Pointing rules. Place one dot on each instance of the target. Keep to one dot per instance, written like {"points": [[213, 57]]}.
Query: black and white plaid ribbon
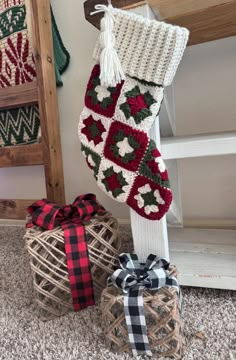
{"points": [[133, 278]]}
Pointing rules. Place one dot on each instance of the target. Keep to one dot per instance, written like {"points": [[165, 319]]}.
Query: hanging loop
{"points": [[103, 8]]}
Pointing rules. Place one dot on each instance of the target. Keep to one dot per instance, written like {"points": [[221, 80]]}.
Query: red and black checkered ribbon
{"points": [[48, 216]]}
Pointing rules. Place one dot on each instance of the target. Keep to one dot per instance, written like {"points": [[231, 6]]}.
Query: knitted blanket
{"points": [[17, 66]]}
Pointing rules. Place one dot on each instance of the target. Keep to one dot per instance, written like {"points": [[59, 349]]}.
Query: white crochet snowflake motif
{"points": [[140, 200], [90, 161], [124, 147], [102, 92], [161, 164]]}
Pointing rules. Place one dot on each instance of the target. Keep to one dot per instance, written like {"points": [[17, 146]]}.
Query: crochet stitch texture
{"points": [[116, 120], [20, 126], [150, 50], [113, 131]]}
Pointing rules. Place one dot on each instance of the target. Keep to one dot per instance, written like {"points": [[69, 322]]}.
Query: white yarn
{"points": [[111, 69], [161, 164], [150, 50], [124, 147], [102, 92]]}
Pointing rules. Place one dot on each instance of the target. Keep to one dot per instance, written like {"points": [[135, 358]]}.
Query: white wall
{"points": [[205, 90]]}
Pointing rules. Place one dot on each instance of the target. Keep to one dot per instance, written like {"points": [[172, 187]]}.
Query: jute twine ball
{"points": [[163, 320], [49, 268]]}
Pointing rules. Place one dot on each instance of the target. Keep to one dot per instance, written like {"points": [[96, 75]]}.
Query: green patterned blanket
{"points": [[17, 66]]}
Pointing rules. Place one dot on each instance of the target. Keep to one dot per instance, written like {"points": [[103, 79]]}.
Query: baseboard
{"points": [[199, 223], [124, 222], [10, 222], [210, 223], [188, 223]]}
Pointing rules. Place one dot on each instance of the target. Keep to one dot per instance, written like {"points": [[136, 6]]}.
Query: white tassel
{"points": [[111, 69]]}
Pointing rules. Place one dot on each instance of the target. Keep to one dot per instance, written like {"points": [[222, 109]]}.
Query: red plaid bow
{"points": [[48, 215]]}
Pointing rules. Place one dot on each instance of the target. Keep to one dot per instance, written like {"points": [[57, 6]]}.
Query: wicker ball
{"points": [[48, 262], [163, 320]]}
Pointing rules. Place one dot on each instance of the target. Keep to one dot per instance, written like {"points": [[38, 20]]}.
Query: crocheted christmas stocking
{"points": [[113, 131], [120, 108]]}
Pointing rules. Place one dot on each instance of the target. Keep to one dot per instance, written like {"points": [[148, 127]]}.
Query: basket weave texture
{"points": [[163, 320], [48, 262]]}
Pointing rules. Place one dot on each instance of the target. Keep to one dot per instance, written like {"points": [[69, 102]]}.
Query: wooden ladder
{"points": [[42, 92], [204, 257]]}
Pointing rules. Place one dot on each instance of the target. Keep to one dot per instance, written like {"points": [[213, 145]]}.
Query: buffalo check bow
{"points": [[133, 278], [48, 215]]}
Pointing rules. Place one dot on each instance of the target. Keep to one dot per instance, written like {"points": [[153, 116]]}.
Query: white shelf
{"points": [[198, 145], [205, 258]]}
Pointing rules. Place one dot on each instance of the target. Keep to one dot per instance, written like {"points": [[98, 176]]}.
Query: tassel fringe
{"points": [[111, 69]]}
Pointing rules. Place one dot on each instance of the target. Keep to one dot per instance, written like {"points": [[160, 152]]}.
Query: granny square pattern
{"points": [[139, 103], [100, 99], [93, 129], [115, 181], [125, 146], [113, 130], [149, 199]]}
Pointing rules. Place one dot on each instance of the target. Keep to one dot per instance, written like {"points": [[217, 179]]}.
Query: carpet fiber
{"points": [[209, 318]]}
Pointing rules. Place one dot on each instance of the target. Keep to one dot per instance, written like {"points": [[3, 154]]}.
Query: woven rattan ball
{"points": [[163, 320], [48, 262]]}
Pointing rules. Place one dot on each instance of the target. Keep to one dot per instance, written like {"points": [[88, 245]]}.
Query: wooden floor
{"points": [[205, 258]]}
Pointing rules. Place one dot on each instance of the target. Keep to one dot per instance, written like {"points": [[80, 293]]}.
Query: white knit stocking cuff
{"points": [[148, 49]]}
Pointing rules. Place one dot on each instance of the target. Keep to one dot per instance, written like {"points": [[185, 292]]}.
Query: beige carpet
{"points": [[78, 336]]}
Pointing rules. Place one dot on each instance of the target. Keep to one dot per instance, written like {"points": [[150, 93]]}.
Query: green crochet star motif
{"points": [[149, 199], [125, 147], [93, 160], [114, 182], [107, 100], [137, 105], [94, 130]]}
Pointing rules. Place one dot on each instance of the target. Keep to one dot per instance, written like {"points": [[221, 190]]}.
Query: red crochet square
{"points": [[125, 146], [100, 99], [149, 199]]}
